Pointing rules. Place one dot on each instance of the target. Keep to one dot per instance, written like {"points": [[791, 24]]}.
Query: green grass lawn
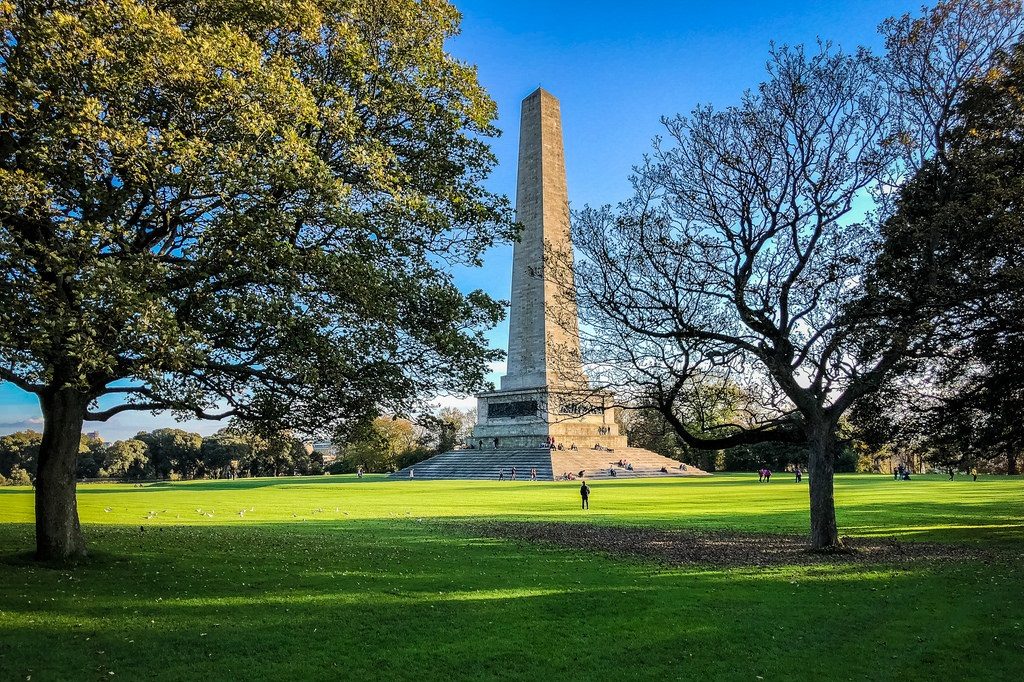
{"points": [[334, 578]]}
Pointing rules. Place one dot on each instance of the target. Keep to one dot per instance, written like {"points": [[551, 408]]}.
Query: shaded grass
{"points": [[299, 589], [399, 599]]}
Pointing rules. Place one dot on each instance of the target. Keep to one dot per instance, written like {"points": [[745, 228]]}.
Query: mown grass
{"points": [[334, 578]]}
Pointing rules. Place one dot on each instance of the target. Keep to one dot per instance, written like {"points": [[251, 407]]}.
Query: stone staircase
{"points": [[598, 463], [484, 465]]}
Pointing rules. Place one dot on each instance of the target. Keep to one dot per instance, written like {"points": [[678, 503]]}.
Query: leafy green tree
{"points": [[446, 429], [91, 454], [956, 249], [269, 456], [379, 445], [128, 459], [223, 450], [19, 449], [173, 450], [17, 476], [236, 209], [305, 460]]}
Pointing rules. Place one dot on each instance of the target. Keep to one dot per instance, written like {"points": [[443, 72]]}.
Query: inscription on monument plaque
{"points": [[578, 408], [520, 408]]}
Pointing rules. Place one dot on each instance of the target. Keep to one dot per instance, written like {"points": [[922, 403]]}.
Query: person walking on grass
{"points": [[767, 475], [799, 474], [585, 495], [760, 475]]}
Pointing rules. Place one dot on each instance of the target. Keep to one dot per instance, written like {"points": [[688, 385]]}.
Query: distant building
{"points": [[326, 449]]}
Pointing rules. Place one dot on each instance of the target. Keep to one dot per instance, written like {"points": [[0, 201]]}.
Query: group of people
{"points": [[764, 474], [551, 444], [901, 473], [625, 464], [512, 474]]}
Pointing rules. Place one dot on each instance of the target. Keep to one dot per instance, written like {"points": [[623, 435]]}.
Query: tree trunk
{"points": [[58, 534], [820, 471], [1011, 463]]}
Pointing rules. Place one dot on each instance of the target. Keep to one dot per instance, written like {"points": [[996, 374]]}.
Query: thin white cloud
{"points": [[464, 403], [29, 424]]}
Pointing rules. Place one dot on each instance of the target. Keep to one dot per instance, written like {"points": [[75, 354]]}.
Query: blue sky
{"points": [[616, 68]]}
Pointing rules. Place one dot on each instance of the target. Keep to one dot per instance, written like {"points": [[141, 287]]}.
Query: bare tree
{"points": [[741, 257]]}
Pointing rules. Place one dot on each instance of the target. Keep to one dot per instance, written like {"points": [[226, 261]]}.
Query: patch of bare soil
{"points": [[721, 548]]}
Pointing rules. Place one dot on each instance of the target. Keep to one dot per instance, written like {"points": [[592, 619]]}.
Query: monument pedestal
{"points": [[528, 417]]}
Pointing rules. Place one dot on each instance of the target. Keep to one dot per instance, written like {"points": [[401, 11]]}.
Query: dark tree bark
{"points": [[58, 533], [822, 449]]}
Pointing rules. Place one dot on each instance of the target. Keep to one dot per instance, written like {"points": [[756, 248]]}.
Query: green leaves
{"points": [[246, 209]]}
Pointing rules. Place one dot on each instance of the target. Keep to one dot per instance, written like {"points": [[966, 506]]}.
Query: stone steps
{"points": [[484, 465]]}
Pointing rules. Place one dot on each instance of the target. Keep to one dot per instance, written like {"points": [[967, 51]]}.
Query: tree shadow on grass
{"points": [[401, 600]]}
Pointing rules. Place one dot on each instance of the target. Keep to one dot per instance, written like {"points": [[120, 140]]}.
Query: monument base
{"points": [[549, 465], [531, 417]]}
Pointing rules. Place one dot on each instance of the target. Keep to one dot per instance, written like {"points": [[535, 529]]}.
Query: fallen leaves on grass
{"points": [[719, 548]]}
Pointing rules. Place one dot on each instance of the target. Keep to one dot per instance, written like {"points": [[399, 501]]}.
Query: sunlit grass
{"points": [[928, 507]]}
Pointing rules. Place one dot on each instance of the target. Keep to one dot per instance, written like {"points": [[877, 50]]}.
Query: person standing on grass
{"points": [[760, 475], [767, 475], [513, 473], [951, 473], [585, 494], [974, 473], [501, 474], [799, 474]]}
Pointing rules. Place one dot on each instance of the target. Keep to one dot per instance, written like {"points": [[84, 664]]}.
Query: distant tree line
{"points": [[381, 444], [170, 454]]}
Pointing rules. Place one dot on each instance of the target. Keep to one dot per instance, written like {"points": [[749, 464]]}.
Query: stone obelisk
{"points": [[544, 393], [543, 339]]}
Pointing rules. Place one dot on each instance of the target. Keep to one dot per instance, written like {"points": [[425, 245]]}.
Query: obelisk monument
{"points": [[543, 339], [544, 393]]}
